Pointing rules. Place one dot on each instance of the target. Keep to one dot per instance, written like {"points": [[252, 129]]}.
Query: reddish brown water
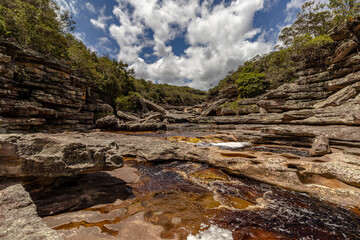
{"points": [[181, 196]]}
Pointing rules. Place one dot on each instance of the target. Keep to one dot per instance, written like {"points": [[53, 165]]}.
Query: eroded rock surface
{"points": [[18, 217], [334, 177], [43, 155], [320, 146], [40, 93]]}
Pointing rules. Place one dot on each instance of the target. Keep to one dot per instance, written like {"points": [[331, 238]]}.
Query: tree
{"points": [[313, 20], [35, 24], [344, 9]]}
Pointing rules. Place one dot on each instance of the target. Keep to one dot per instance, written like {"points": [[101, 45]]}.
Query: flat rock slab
{"points": [[334, 177], [46, 155]]}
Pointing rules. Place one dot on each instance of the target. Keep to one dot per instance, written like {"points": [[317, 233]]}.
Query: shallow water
{"points": [[187, 198]]}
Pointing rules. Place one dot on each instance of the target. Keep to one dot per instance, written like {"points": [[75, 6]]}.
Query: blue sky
{"points": [[181, 42]]}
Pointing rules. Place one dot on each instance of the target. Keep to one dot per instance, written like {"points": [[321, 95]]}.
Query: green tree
{"points": [[344, 9], [313, 20], [35, 24]]}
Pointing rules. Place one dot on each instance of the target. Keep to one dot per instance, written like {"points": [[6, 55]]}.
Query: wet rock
{"points": [[43, 155], [180, 200], [320, 146], [18, 216], [77, 192]]}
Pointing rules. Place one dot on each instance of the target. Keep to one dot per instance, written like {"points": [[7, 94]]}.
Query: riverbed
{"points": [[187, 200]]}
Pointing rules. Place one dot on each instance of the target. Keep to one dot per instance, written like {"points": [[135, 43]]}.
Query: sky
{"points": [[191, 43]]}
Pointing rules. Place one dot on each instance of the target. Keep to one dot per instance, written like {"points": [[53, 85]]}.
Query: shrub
{"points": [[128, 103], [251, 84]]}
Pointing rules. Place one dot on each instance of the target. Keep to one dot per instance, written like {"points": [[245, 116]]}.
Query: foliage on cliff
{"points": [[303, 43], [172, 95], [41, 26]]}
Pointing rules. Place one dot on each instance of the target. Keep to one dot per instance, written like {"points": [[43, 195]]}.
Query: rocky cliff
{"points": [[322, 98], [42, 93]]}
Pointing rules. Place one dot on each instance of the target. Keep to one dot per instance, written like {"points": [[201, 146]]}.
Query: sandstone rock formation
{"points": [[40, 93], [18, 217], [320, 146], [55, 155], [151, 123], [324, 95], [334, 177]]}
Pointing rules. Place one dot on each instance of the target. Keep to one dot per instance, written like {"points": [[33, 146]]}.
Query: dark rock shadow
{"points": [[66, 194]]}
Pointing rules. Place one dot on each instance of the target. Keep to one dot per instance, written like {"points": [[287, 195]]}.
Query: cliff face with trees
{"points": [[51, 80], [303, 45], [308, 88]]}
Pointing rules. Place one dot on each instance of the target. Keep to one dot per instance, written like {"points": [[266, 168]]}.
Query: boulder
{"points": [[179, 117], [18, 217], [320, 146], [151, 116], [108, 122], [52, 156]]}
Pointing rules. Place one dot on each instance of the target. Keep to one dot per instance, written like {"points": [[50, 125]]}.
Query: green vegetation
{"points": [[305, 44], [39, 25], [251, 84], [160, 94], [34, 24], [166, 94]]}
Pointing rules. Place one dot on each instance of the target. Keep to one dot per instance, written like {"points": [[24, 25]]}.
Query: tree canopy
{"points": [[316, 19]]}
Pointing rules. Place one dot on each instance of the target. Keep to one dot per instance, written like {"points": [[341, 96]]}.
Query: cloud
{"points": [[102, 46], [220, 37], [90, 7], [101, 21], [69, 5], [268, 4], [80, 36], [295, 4]]}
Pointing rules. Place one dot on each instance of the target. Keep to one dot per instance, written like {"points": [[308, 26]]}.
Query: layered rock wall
{"points": [[325, 93], [42, 93]]}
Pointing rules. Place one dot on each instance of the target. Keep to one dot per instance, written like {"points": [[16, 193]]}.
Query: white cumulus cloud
{"points": [[220, 37]]}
